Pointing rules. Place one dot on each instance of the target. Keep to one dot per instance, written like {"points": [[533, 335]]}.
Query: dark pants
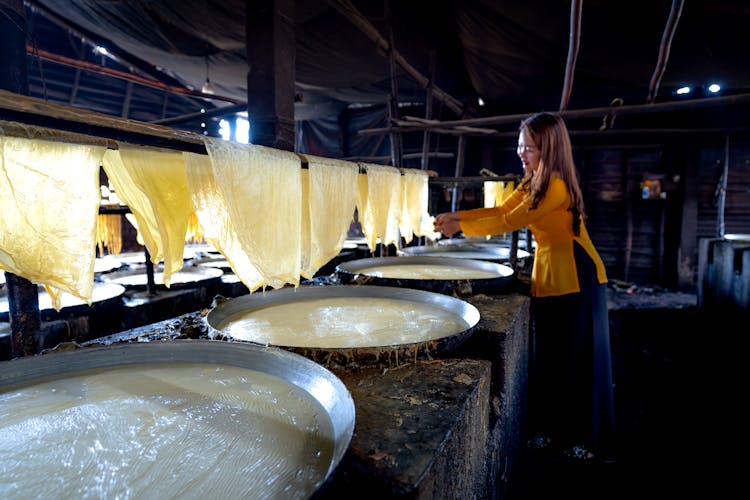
{"points": [[570, 386]]}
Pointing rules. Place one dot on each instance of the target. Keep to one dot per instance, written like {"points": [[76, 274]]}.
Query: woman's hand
{"points": [[447, 223]]}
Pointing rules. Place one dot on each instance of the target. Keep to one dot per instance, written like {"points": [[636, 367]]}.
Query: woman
{"points": [[571, 399]]}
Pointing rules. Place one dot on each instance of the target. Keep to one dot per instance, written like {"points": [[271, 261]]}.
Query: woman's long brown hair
{"points": [[550, 134]]}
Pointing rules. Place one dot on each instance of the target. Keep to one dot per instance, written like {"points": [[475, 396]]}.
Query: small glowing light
{"points": [[224, 130], [480, 101], [203, 110], [208, 88], [101, 50], [242, 133], [683, 90], [203, 124], [714, 88]]}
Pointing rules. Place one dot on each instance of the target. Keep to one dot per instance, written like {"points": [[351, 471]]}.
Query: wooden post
{"points": [[723, 191], [629, 223], [23, 296], [428, 114], [270, 78], [459, 169], [688, 196], [396, 153]]}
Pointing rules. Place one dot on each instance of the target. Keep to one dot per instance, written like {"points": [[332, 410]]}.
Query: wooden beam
{"points": [[348, 10], [122, 75], [227, 110], [428, 113], [662, 107], [33, 111]]}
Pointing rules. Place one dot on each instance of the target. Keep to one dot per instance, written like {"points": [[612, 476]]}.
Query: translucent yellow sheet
{"points": [[262, 188], [329, 199], [153, 184], [426, 222], [365, 221], [109, 233], [49, 202], [415, 203], [384, 204], [213, 214], [492, 191], [507, 190]]}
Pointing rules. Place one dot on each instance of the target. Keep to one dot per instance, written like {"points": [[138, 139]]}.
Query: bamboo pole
{"points": [[575, 43], [664, 48]]}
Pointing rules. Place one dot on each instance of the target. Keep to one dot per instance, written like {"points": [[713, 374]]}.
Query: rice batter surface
{"points": [[172, 430], [344, 322]]}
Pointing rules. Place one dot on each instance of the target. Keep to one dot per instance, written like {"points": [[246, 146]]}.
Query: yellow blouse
{"points": [[554, 270]]}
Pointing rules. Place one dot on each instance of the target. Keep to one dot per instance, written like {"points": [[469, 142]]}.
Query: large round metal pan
{"points": [[106, 264], [187, 277], [481, 242], [216, 262], [447, 275], [194, 250], [337, 350], [103, 296], [743, 238], [495, 254], [138, 258], [299, 379]]}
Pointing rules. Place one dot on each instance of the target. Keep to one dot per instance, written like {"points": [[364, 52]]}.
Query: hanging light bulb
{"points": [[207, 87]]}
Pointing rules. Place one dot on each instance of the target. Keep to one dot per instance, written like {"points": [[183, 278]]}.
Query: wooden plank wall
{"points": [[737, 205], [639, 239]]}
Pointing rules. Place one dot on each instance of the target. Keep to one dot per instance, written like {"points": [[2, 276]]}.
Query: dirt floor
{"points": [[672, 375]]}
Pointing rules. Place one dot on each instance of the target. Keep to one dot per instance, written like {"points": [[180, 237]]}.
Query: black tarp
{"points": [[512, 53]]}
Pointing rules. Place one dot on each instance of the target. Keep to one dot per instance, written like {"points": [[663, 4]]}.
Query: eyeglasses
{"points": [[526, 149]]}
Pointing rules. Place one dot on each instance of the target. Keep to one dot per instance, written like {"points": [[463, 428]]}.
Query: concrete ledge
{"points": [[443, 428], [420, 433]]}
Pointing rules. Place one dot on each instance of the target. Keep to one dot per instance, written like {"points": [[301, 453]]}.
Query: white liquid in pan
{"points": [[163, 431], [345, 322], [429, 272], [468, 254]]}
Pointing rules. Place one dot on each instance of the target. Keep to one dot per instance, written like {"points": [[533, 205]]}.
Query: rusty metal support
{"points": [[575, 42], [150, 282], [25, 321], [664, 48]]}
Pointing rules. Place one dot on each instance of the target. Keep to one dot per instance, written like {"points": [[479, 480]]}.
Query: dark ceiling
{"points": [[511, 53]]}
